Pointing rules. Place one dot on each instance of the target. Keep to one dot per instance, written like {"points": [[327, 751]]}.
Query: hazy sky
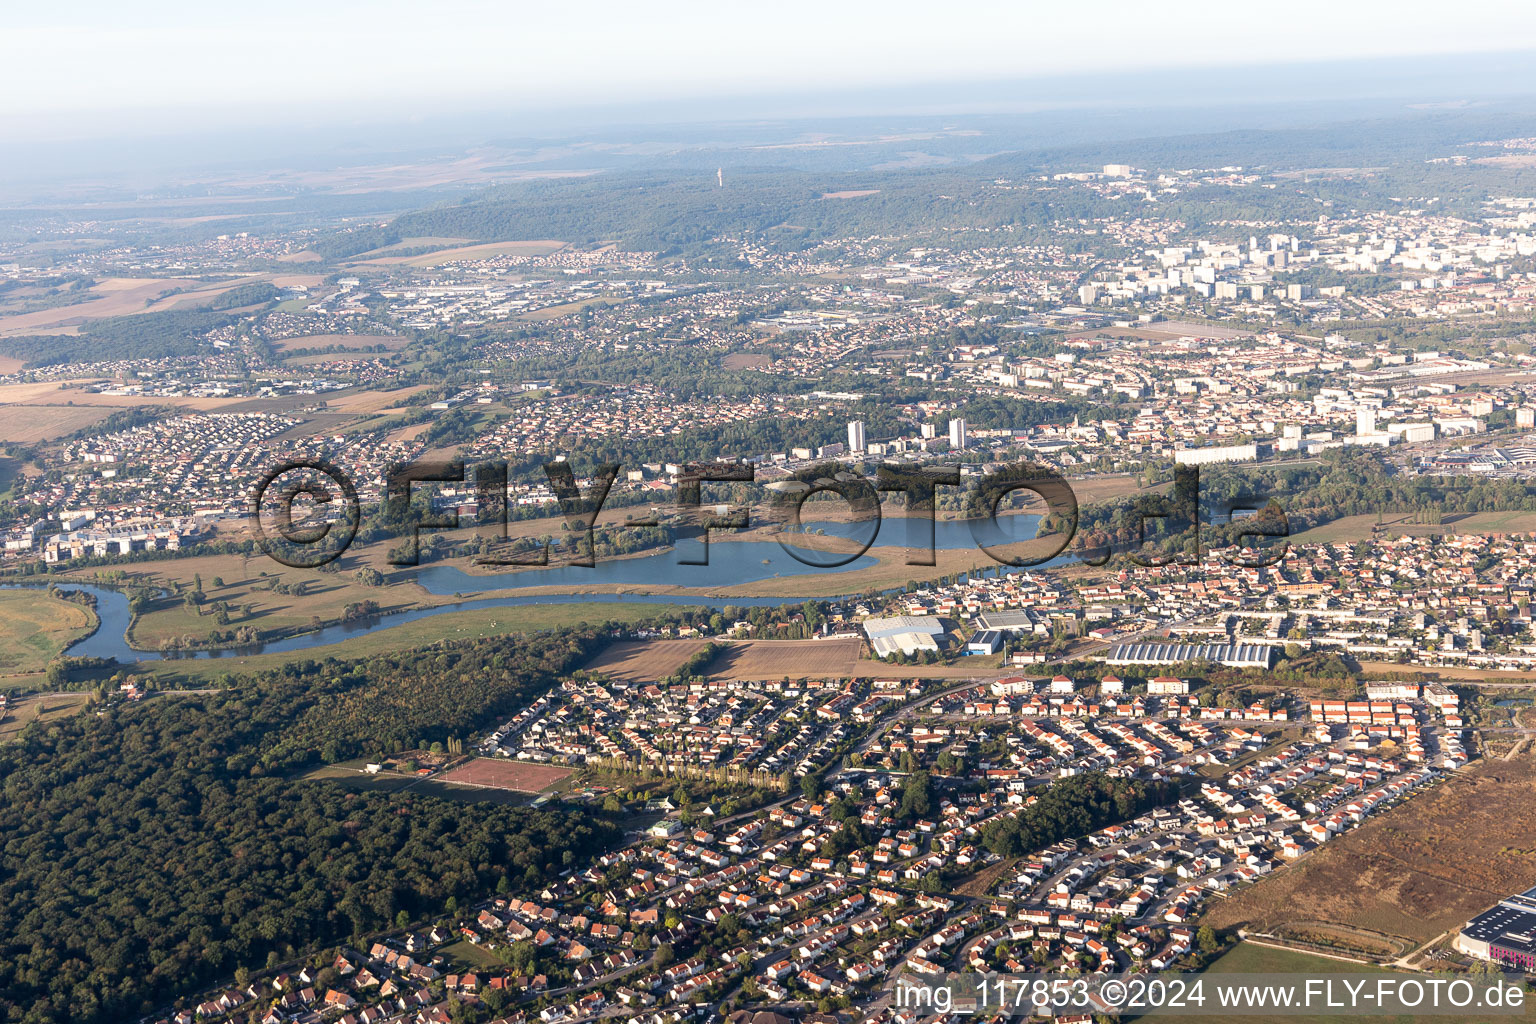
{"points": [[100, 57]]}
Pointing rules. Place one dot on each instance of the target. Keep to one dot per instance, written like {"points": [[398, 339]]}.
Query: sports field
{"points": [[495, 773]]}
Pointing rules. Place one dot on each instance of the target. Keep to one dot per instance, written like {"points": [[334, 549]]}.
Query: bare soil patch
{"points": [[1415, 871], [529, 247], [25, 424], [370, 401], [644, 661], [795, 659]]}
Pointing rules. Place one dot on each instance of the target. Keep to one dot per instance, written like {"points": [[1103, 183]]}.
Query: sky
{"points": [[90, 61]]}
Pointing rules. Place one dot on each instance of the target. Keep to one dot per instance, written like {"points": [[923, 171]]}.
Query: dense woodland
{"points": [[1073, 807], [156, 848], [681, 210], [160, 335]]}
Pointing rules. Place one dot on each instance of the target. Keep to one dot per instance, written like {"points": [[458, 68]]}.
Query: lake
{"points": [[729, 564]]}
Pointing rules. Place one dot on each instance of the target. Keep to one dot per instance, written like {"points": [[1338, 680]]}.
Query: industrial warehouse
{"points": [[1230, 655], [1505, 934]]}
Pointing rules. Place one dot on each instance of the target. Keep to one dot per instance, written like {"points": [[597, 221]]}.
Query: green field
{"points": [[1350, 529], [245, 593], [10, 469], [35, 627], [43, 707], [466, 954], [466, 625], [1251, 958]]}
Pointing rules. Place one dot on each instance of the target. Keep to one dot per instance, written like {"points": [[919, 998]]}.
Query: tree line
{"points": [[152, 850]]}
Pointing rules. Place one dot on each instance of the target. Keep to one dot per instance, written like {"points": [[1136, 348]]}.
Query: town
{"points": [[736, 572], [919, 854]]}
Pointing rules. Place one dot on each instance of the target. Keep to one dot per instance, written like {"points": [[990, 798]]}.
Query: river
{"points": [[729, 564]]}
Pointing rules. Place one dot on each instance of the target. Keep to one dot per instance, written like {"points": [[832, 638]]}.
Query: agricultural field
{"points": [[644, 660], [45, 395], [563, 309], [1498, 676], [748, 660], [35, 628], [123, 296], [415, 242], [650, 660], [795, 659], [963, 669], [1410, 874], [1349, 529], [370, 401], [113, 296], [28, 424], [535, 247]]}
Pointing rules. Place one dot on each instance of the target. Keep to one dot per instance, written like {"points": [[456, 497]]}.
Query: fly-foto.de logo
{"points": [[307, 513]]}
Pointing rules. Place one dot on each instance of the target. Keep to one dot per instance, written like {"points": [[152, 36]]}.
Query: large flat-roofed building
{"points": [[1015, 621], [1230, 655], [905, 633], [1505, 933], [1211, 456], [1392, 691], [987, 641]]}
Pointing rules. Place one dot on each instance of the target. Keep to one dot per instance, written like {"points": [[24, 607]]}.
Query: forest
{"points": [[173, 332], [672, 214], [681, 210], [154, 849], [1073, 807]]}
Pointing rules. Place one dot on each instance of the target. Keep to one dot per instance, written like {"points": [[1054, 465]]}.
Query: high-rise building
{"points": [[1365, 421], [929, 430], [957, 433], [856, 436]]}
